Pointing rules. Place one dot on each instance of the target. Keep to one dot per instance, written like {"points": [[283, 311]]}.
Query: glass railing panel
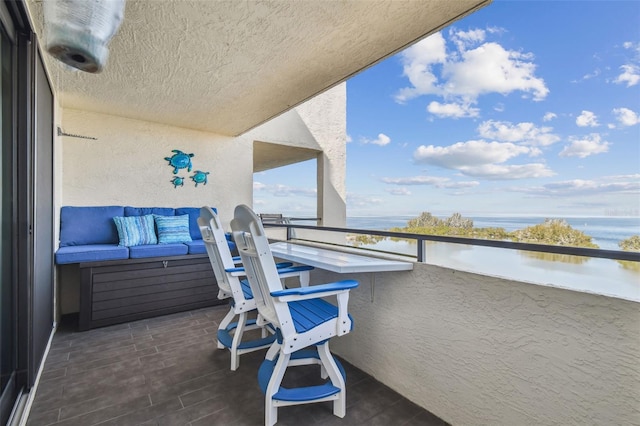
{"points": [[611, 277]]}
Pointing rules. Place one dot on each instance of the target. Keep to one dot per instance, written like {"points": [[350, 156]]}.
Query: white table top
{"points": [[335, 261]]}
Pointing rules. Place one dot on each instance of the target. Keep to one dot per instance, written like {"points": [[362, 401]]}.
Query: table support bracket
{"points": [[372, 279]]}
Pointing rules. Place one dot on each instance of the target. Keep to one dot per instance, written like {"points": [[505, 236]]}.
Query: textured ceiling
{"points": [[228, 66]]}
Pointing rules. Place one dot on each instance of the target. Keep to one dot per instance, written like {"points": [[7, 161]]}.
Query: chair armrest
{"points": [[294, 269], [237, 260], [239, 271], [314, 291]]}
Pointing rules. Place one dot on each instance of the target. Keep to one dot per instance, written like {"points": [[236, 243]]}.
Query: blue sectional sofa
{"points": [[89, 234], [111, 280]]}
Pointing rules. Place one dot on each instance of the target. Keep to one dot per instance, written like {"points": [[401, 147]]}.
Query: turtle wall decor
{"points": [[199, 177], [177, 181], [179, 160]]}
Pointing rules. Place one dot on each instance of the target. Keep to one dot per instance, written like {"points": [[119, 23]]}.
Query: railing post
{"points": [[421, 242], [289, 233]]}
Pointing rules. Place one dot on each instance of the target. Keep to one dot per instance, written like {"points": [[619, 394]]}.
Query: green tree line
{"points": [[551, 231]]}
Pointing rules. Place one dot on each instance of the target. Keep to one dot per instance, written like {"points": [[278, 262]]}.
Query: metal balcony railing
{"points": [[421, 239]]}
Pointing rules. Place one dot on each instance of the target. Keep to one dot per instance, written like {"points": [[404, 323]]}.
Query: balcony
{"points": [[470, 348]]}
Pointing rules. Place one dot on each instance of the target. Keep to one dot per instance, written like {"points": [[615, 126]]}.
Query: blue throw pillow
{"points": [[173, 229], [135, 230]]}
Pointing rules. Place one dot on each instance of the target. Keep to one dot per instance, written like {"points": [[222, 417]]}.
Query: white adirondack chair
{"points": [[230, 333], [302, 319]]}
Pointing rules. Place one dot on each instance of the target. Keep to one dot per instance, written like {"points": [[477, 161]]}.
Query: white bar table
{"points": [[337, 261]]}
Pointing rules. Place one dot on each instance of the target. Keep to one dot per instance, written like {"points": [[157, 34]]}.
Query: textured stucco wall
{"points": [[326, 118], [320, 124], [126, 165], [478, 350]]}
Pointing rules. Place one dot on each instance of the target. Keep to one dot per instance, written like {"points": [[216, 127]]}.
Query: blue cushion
{"points": [[194, 213], [173, 229], [156, 250], [88, 225], [142, 211], [196, 247], [136, 230], [90, 253]]}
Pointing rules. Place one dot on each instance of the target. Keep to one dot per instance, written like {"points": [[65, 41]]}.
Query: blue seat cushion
{"points": [[157, 250], [196, 247], [88, 225], [194, 213], [91, 253], [143, 211], [307, 314]]}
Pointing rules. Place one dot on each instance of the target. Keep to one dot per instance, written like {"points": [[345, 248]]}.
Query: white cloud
{"points": [[504, 172], [549, 116], [492, 69], [349, 139], [418, 60], [525, 133], [585, 146], [623, 177], [398, 191], [462, 184], [580, 187], [467, 73], [626, 117], [595, 73], [467, 39], [381, 140], [438, 182], [587, 119], [630, 75], [416, 180], [357, 200], [452, 110], [482, 159], [471, 153], [284, 190]]}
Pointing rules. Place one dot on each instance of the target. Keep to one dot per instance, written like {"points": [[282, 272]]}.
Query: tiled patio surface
{"points": [[167, 371]]}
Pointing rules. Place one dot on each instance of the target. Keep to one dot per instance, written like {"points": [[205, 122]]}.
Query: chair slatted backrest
{"points": [[253, 246], [217, 248]]}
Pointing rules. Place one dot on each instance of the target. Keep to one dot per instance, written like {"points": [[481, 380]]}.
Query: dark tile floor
{"points": [[167, 371]]}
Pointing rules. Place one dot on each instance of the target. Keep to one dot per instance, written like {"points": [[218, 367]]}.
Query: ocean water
{"points": [[599, 276], [606, 232]]}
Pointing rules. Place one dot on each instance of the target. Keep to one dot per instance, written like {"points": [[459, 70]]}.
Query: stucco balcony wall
{"points": [[479, 350]]}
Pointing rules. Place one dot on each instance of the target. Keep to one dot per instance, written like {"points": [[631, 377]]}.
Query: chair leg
{"points": [[224, 323], [304, 278], [340, 404], [270, 410], [237, 339], [273, 351]]}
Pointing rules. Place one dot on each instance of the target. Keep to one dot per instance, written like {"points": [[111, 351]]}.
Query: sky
{"points": [[522, 108]]}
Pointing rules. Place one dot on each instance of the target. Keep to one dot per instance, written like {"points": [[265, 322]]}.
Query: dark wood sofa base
{"points": [[113, 292]]}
